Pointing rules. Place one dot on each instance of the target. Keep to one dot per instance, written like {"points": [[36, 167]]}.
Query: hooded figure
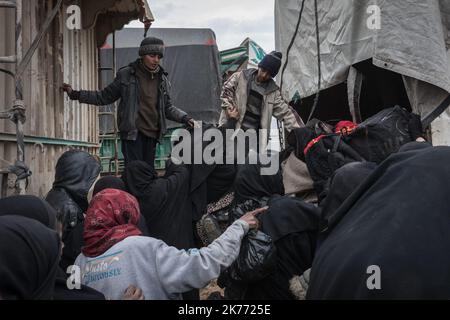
{"points": [[293, 225], [108, 182], [28, 271], [391, 239], [165, 202], [251, 191], [39, 210], [250, 184], [76, 172], [343, 182], [29, 207]]}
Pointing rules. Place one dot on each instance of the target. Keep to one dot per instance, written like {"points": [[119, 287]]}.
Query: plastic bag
{"points": [[256, 260]]}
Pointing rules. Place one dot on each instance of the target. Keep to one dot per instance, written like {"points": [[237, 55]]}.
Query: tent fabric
{"points": [[346, 39], [249, 52], [191, 59], [413, 40], [131, 37]]}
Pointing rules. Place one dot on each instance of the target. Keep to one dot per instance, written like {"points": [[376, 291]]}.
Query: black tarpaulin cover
{"points": [[192, 60]]}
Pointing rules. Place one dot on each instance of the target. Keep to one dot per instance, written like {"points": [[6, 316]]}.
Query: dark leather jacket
{"points": [[76, 171], [126, 87]]}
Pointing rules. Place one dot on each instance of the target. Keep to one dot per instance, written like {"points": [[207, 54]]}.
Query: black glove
{"points": [[415, 127]]}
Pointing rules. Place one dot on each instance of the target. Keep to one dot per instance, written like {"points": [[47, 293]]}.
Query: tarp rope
{"points": [[316, 99], [291, 44]]}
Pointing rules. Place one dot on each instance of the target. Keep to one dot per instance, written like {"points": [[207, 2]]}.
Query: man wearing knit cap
{"points": [[145, 104], [251, 97]]}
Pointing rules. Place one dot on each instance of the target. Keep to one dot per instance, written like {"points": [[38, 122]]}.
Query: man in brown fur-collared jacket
{"points": [[251, 97]]}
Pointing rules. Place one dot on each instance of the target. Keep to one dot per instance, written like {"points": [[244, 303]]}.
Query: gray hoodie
{"points": [[161, 271]]}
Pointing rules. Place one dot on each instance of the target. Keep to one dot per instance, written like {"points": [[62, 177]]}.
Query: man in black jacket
{"points": [[145, 103]]}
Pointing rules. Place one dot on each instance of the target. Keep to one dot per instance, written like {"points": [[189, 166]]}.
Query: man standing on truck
{"points": [[251, 97], [145, 104]]}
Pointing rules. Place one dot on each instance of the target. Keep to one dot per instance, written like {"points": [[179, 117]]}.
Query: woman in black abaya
{"points": [[397, 220], [29, 271], [39, 210]]}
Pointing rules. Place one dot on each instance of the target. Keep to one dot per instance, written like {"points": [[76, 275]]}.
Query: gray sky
{"points": [[231, 20]]}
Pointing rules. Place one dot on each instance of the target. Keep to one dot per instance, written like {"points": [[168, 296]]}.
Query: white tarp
{"points": [[413, 40]]}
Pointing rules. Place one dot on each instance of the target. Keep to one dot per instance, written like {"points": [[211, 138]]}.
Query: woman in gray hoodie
{"points": [[116, 255]]}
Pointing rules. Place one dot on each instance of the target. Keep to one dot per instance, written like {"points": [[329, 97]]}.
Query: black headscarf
{"points": [[29, 255], [30, 207], [288, 215], [250, 184], [37, 209], [208, 182], [109, 182], [398, 220], [344, 181], [138, 177], [293, 225], [165, 202], [298, 138]]}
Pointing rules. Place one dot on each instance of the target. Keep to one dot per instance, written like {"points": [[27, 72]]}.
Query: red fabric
{"points": [[111, 217], [345, 127], [311, 143]]}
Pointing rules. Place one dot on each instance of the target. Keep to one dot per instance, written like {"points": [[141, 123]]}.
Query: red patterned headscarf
{"points": [[111, 217]]}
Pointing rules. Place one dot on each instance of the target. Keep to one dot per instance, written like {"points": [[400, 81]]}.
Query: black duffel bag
{"points": [[381, 135]]}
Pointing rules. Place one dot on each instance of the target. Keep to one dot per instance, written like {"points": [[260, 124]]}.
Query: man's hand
{"points": [[233, 113], [191, 123], [73, 94], [133, 293], [250, 217], [67, 88], [188, 121]]}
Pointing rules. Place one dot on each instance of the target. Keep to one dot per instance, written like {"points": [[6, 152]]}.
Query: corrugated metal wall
{"points": [[64, 55]]}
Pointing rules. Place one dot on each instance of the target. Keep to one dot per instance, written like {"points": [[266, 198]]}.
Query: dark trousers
{"points": [[143, 149]]}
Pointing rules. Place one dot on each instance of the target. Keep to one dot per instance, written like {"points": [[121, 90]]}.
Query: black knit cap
{"points": [[151, 45], [272, 62]]}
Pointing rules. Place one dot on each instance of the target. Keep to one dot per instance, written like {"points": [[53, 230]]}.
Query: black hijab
{"points": [[39, 210], [299, 138], [343, 182], [293, 225], [287, 215], [250, 184], [138, 177], [107, 182], [29, 270], [398, 220], [165, 202], [30, 207]]}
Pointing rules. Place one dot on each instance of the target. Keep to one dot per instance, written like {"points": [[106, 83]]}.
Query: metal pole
{"points": [[116, 144], [18, 47]]}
